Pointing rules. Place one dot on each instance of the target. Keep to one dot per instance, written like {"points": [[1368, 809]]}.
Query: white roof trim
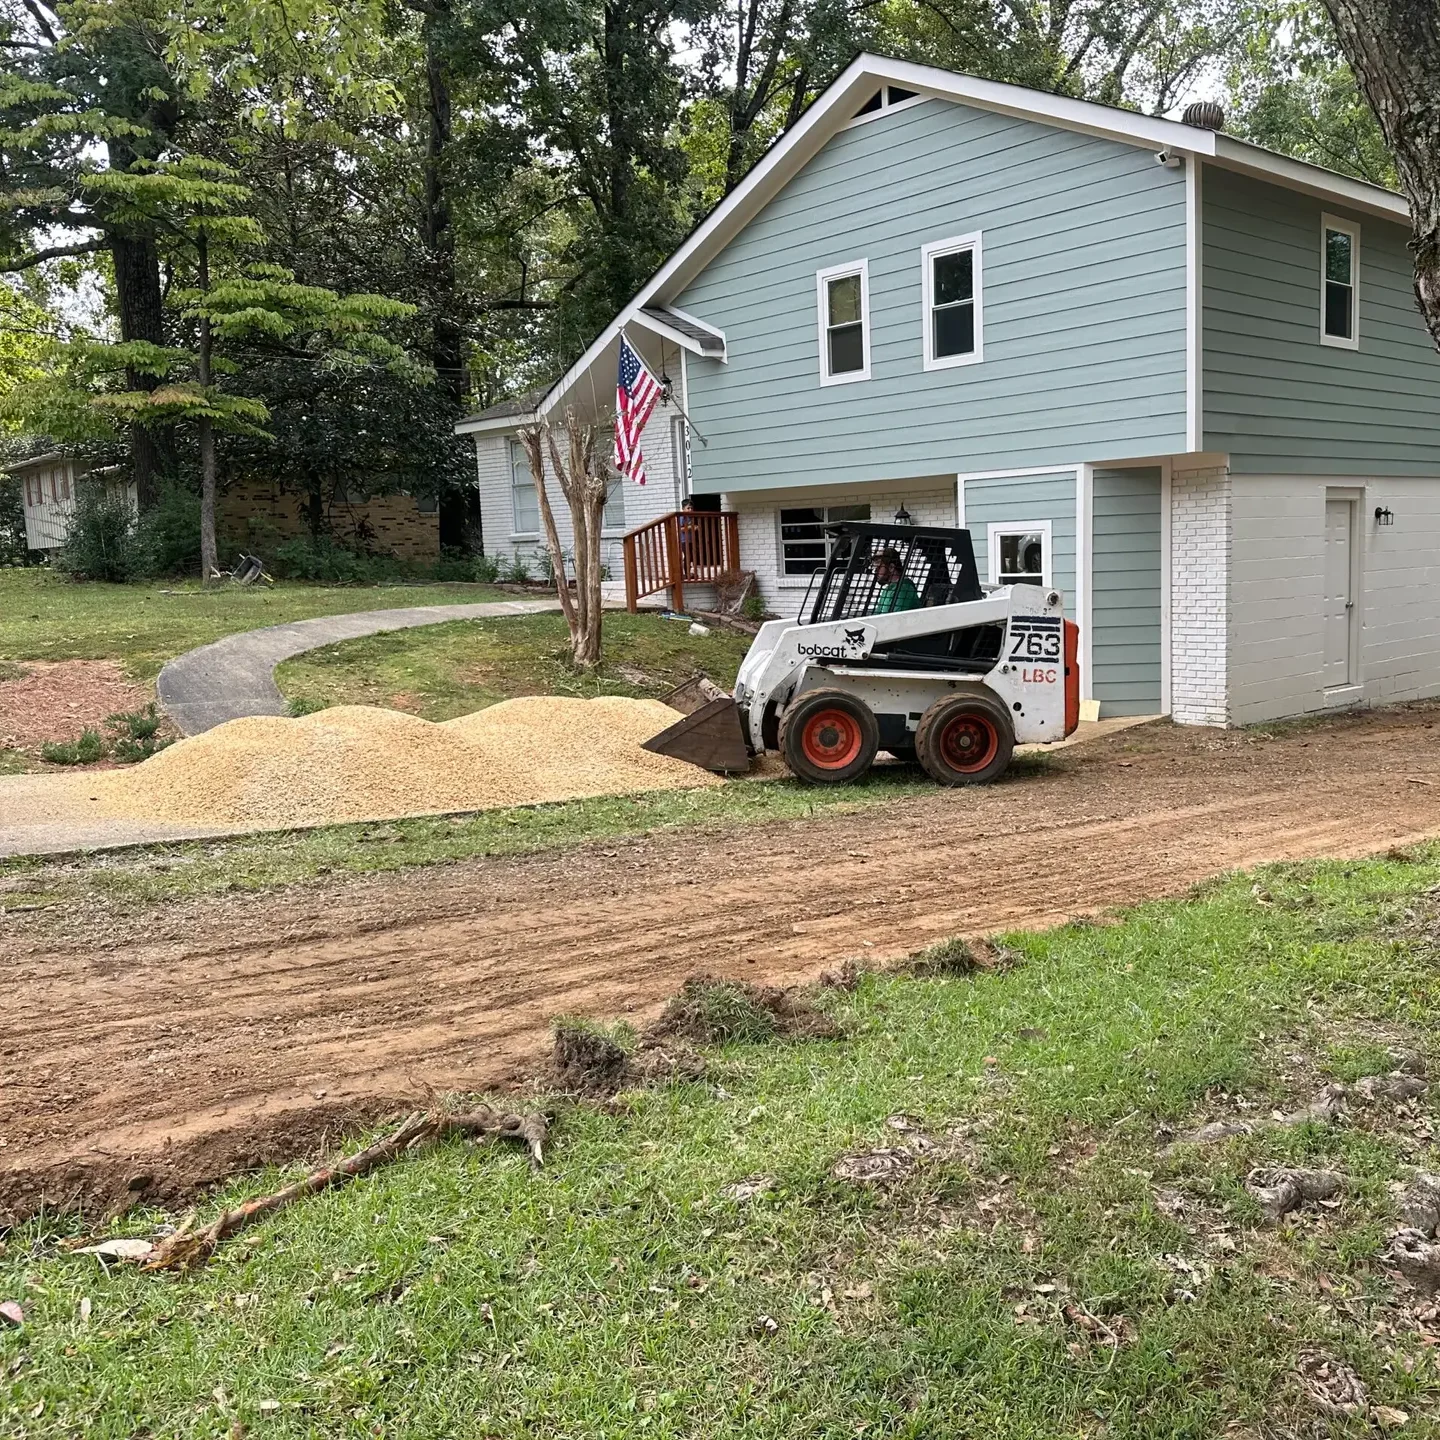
{"points": [[1324, 184], [496, 425], [835, 108]]}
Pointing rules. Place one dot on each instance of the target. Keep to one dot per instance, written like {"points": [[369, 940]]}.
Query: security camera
{"points": [[1169, 161]]}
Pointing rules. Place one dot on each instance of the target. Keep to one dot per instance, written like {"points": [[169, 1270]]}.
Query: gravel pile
{"points": [[357, 762]]}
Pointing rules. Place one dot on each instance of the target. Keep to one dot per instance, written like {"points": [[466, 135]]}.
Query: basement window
{"points": [[843, 296], [1020, 553], [1339, 283], [804, 546]]}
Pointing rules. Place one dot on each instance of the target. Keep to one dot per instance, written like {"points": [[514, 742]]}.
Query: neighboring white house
{"points": [[48, 486], [1177, 376]]}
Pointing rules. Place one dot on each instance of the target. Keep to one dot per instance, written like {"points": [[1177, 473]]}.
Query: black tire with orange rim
{"points": [[965, 740], [828, 737]]}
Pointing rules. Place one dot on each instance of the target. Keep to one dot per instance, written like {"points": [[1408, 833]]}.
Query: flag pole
{"points": [[669, 393]]}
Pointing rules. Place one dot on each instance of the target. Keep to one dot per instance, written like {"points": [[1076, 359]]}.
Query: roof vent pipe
{"points": [[1204, 115]]}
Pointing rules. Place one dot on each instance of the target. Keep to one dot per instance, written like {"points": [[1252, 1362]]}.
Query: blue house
{"points": [[1178, 376]]}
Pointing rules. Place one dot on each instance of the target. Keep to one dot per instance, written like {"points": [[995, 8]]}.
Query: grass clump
{"points": [[713, 1011], [590, 1058], [85, 750]]}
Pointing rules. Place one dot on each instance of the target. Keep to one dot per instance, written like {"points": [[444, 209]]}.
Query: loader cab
{"points": [[939, 563]]}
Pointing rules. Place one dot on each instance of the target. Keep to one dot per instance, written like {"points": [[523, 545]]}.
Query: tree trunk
{"points": [[584, 483], [446, 343], [534, 438], [207, 430], [139, 300], [1394, 48]]}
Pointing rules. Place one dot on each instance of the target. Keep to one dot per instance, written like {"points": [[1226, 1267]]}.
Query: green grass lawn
{"points": [[1049, 1269], [154, 874], [46, 617], [448, 670]]}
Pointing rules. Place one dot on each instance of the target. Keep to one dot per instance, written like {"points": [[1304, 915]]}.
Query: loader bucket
{"points": [[711, 737]]}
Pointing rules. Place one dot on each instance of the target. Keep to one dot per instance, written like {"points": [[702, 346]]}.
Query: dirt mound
{"points": [[358, 762]]}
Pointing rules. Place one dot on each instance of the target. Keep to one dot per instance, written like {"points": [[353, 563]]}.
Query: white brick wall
{"points": [[930, 502], [1277, 595], [1200, 540], [658, 496]]}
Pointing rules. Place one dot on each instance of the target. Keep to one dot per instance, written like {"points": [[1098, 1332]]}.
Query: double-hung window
{"points": [[843, 294], [524, 506], [613, 517], [1339, 283], [1020, 553], [950, 282], [804, 546]]}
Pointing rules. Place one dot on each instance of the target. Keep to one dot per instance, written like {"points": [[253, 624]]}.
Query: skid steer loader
{"points": [[954, 681]]}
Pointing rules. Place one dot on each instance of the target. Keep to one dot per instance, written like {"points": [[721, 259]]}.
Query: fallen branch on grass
{"points": [[188, 1249]]}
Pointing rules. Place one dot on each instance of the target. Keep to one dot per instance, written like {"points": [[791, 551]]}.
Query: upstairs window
{"points": [[524, 506], [951, 286], [804, 545], [843, 294], [886, 98], [1339, 283]]}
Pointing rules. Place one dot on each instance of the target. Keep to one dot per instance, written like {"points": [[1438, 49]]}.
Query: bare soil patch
{"points": [[54, 700], [192, 1039]]}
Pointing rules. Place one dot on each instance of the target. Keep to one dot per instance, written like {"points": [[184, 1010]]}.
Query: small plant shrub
{"points": [[454, 566], [102, 542], [752, 608], [514, 569], [135, 734], [89, 748], [167, 535], [304, 705]]}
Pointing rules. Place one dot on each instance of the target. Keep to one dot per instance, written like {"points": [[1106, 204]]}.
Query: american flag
{"points": [[636, 392]]}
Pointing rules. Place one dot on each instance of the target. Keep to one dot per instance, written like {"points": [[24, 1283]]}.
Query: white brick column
{"points": [[1200, 521]]}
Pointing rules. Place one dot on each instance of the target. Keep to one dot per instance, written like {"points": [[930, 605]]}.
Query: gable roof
{"points": [[836, 107]]}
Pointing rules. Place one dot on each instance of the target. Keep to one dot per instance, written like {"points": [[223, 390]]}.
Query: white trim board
{"points": [[835, 108], [1084, 572], [1194, 307], [1166, 573]]}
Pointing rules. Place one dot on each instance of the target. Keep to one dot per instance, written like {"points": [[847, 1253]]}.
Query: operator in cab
{"points": [[897, 590]]}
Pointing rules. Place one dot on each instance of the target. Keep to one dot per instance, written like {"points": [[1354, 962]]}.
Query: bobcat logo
{"points": [[855, 637]]}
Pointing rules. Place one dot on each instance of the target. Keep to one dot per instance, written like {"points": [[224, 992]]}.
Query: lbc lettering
{"points": [[1036, 676]]}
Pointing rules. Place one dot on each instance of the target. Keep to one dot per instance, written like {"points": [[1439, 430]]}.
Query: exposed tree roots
{"points": [[188, 1249]]}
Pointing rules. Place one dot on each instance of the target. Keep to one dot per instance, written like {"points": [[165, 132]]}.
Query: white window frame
{"points": [[928, 254], [801, 582], [1350, 228], [822, 314], [514, 448], [887, 106], [997, 528]]}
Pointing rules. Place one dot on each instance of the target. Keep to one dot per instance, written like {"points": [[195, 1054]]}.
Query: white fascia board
{"points": [[679, 337], [1249, 159], [498, 425]]}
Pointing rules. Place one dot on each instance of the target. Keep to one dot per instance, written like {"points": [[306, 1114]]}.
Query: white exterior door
{"points": [[1339, 668]]}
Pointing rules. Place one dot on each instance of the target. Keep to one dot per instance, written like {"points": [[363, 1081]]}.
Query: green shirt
{"points": [[897, 595]]}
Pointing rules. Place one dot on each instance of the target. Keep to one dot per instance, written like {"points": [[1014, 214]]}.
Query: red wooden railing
{"points": [[685, 547]]}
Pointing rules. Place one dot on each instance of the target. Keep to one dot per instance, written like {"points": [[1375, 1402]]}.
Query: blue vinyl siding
{"points": [[1083, 305], [1276, 399], [1019, 501], [1125, 591]]}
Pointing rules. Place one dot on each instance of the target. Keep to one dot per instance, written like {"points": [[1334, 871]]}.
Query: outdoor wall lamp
{"points": [[1384, 516], [903, 516]]}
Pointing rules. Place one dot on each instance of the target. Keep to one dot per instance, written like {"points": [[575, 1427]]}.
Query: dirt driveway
{"points": [[144, 1057]]}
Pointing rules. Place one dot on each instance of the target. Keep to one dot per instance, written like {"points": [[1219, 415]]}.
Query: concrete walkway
{"points": [[235, 676]]}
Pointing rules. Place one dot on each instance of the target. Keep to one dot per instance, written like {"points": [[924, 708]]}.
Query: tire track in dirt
{"points": [[210, 1034]]}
